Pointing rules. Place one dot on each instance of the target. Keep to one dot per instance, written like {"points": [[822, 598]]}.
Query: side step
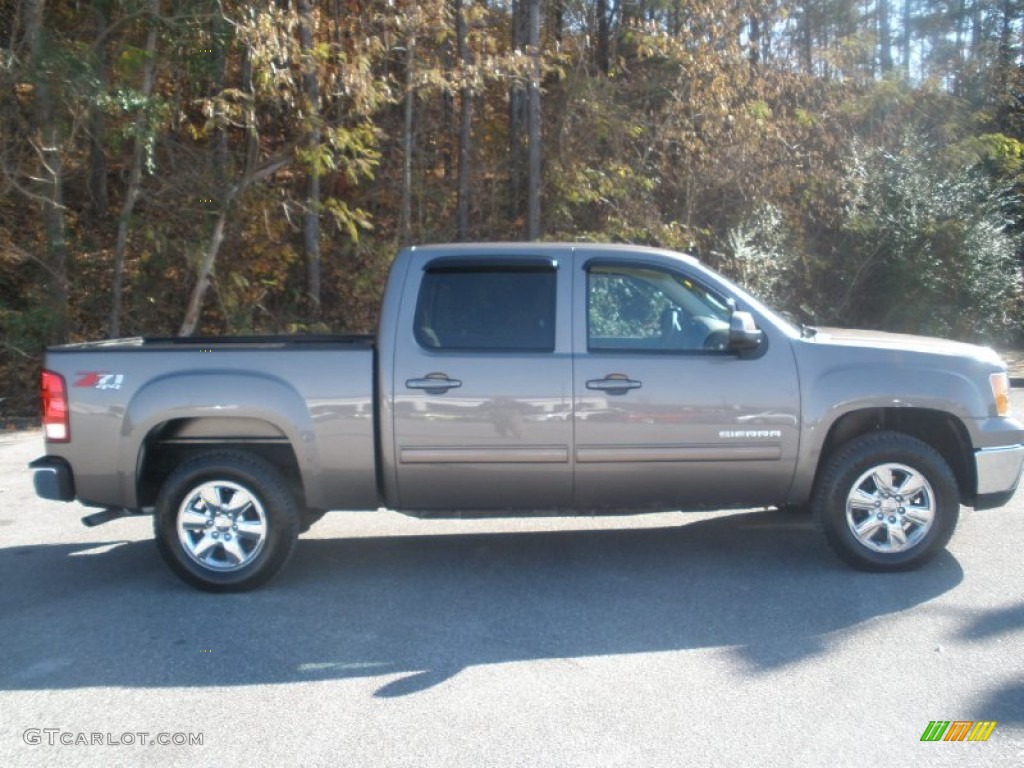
{"points": [[106, 515]]}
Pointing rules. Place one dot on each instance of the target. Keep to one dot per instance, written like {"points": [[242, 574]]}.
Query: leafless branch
{"points": [[23, 353]]}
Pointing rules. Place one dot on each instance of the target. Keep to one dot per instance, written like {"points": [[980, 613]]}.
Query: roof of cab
{"points": [[542, 247]]}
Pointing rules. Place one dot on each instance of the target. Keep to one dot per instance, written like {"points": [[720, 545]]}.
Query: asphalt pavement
{"points": [[711, 639]]}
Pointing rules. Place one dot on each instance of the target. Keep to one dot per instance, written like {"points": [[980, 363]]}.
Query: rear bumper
{"points": [[53, 479], [998, 471]]}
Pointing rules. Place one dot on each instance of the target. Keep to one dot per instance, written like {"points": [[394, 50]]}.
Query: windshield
{"points": [[749, 301]]}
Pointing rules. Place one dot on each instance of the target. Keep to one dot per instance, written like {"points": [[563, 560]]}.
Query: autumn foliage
{"points": [[227, 167]]}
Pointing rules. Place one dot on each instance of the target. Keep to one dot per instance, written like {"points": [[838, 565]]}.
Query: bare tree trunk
{"points": [[826, 66], [959, 26], [195, 300], [51, 180], [905, 37], [807, 41], [9, 18], [1006, 33], [533, 228], [558, 20], [220, 171], [601, 54], [1005, 55], [516, 117], [884, 37], [447, 110], [134, 177], [220, 136], [405, 211], [465, 125], [249, 177], [311, 217], [977, 32], [98, 196], [755, 40]]}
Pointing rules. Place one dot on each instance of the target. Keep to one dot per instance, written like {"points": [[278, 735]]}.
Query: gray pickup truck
{"points": [[523, 378]]}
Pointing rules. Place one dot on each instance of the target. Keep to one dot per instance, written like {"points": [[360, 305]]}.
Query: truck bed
{"points": [[310, 404]]}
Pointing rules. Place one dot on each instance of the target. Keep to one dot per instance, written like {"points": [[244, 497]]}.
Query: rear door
{"points": [[665, 415], [483, 384]]}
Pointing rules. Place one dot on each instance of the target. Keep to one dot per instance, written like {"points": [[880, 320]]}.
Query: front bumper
{"points": [[53, 479], [998, 472]]}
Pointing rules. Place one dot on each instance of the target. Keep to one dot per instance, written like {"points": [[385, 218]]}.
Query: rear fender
{"points": [[222, 396]]}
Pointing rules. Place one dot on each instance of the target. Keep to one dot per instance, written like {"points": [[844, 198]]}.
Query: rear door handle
{"points": [[434, 383], [614, 384]]}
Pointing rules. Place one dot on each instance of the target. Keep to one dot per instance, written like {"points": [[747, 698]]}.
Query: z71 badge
{"points": [[99, 380]]}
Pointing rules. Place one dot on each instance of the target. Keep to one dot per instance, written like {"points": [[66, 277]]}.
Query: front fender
{"points": [[830, 395]]}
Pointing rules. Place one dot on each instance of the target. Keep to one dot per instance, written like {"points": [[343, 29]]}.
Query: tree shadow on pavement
{"points": [[1006, 704], [426, 607]]}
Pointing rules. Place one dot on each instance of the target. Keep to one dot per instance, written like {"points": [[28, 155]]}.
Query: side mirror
{"points": [[744, 335]]}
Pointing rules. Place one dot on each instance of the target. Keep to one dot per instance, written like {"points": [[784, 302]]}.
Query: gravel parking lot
{"points": [[661, 640]]}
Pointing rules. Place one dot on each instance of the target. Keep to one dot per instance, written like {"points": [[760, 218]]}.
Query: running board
{"points": [[105, 516]]}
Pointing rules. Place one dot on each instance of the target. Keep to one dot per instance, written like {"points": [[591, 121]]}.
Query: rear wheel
{"points": [[226, 521], [887, 502]]}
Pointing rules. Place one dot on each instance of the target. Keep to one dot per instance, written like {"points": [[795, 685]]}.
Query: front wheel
{"points": [[887, 502], [226, 521]]}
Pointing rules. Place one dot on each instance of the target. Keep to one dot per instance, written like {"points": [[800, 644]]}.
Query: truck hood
{"points": [[902, 342]]}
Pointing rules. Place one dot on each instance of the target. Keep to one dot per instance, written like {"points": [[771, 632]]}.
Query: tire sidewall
{"points": [[861, 455], [260, 479]]}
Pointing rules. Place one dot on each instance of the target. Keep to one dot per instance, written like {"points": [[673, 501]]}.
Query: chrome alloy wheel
{"points": [[890, 508], [221, 525]]}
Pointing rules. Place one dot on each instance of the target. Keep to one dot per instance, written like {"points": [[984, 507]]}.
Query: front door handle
{"points": [[614, 384], [434, 383]]}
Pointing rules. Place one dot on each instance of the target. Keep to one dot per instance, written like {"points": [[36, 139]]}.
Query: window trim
{"points": [[487, 264]]}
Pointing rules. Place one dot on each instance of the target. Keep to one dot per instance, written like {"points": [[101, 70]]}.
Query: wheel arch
{"points": [[175, 441], [940, 430], [256, 413]]}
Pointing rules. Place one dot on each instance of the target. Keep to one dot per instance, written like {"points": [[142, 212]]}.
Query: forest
{"points": [[170, 167]]}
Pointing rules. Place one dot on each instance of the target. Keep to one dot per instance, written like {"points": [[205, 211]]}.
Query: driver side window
{"points": [[633, 308]]}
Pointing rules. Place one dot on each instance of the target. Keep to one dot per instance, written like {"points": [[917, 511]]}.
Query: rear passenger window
{"points": [[504, 308]]}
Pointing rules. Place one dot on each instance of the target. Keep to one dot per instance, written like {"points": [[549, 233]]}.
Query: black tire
{"points": [[237, 541], [886, 502]]}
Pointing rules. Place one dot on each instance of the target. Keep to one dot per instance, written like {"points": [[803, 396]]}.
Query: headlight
{"points": [[1001, 392]]}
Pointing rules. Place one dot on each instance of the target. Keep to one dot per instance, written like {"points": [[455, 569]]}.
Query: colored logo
{"points": [[958, 730], [99, 380]]}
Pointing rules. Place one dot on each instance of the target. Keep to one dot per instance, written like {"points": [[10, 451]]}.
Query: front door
{"points": [[666, 416]]}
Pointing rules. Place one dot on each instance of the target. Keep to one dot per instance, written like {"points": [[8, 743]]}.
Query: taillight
{"points": [[56, 426]]}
